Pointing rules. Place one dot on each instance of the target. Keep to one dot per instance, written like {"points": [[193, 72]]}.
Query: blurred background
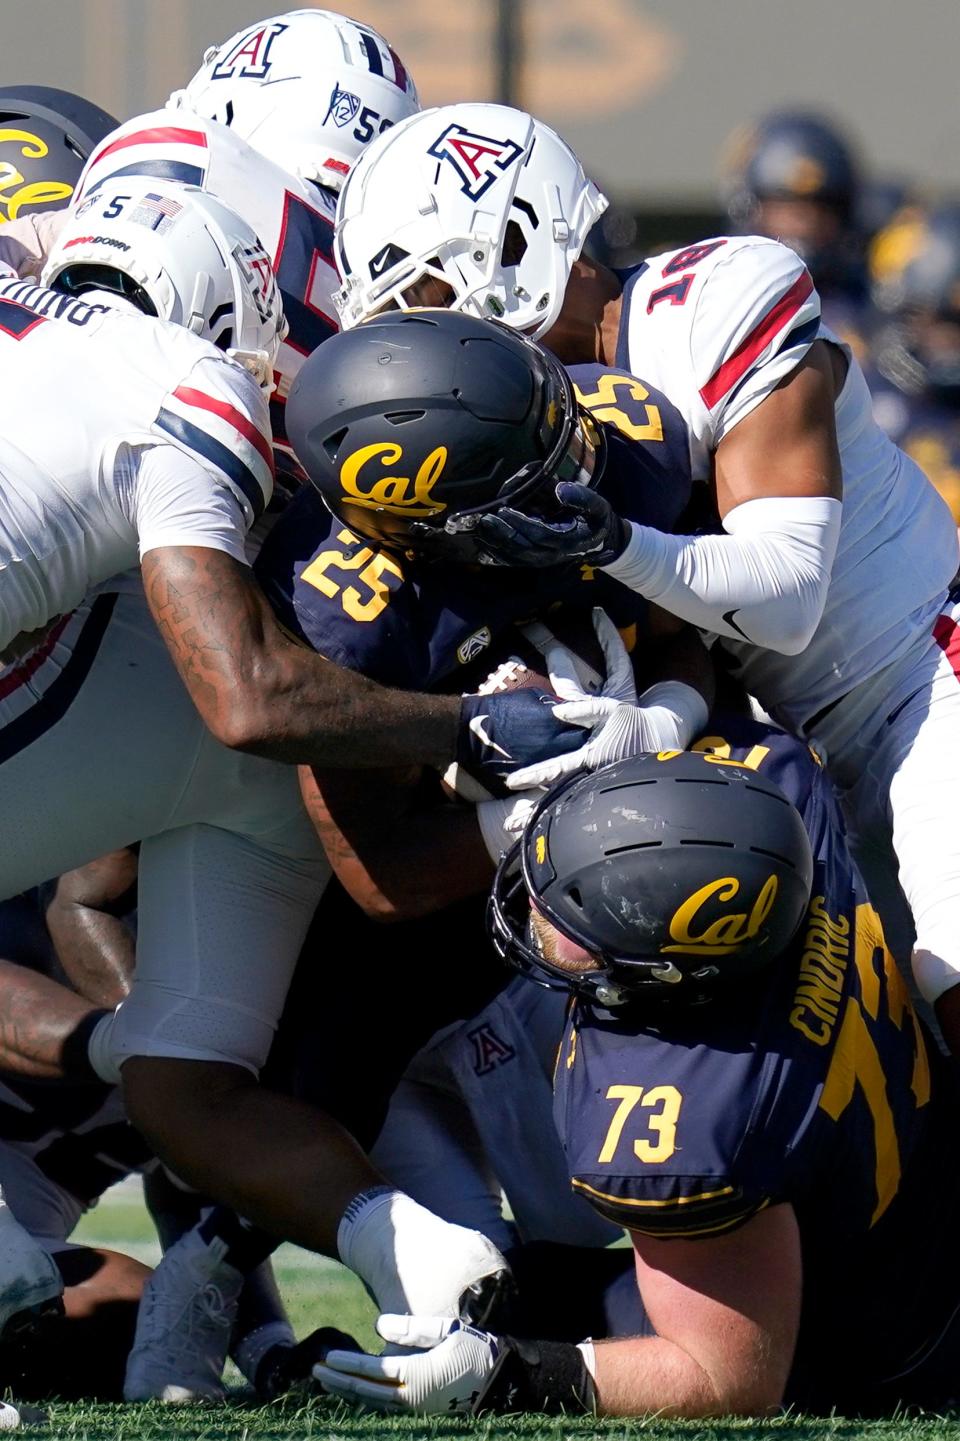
{"points": [[648, 91], [833, 125]]}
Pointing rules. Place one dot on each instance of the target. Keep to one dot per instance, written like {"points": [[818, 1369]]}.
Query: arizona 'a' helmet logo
{"points": [[250, 56], [479, 160]]}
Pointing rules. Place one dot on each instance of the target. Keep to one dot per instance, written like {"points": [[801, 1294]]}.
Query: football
{"points": [[517, 661]]}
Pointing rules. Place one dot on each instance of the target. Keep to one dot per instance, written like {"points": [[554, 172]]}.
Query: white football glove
{"points": [[443, 1373], [502, 821], [666, 717]]}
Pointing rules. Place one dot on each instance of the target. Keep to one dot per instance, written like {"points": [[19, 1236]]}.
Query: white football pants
{"points": [[100, 746]]}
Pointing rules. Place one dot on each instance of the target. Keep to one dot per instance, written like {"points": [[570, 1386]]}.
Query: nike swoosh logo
{"points": [[380, 262], [728, 617], [478, 728]]}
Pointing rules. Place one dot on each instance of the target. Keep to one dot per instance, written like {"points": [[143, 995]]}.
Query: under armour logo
{"points": [[479, 160]]}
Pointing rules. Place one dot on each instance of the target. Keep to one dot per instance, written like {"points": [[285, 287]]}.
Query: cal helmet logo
{"points": [[42, 193], [479, 160], [249, 58], [399, 494], [344, 106], [693, 935]]}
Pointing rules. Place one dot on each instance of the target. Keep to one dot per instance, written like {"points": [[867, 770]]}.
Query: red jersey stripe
{"points": [[163, 135], [735, 367], [187, 396], [946, 633], [25, 669]]}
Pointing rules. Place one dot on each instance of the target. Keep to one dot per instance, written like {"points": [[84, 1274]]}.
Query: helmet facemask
{"points": [[505, 254]]}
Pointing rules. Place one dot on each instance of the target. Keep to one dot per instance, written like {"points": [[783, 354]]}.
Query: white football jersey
{"points": [[293, 218], [716, 326], [118, 434]]}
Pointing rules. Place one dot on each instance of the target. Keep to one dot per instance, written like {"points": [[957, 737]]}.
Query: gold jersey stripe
{"points": [[630, 1201]]}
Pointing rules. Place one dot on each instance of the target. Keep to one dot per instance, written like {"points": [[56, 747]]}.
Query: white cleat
{"points": [[184, 1324], [31, 1286]]}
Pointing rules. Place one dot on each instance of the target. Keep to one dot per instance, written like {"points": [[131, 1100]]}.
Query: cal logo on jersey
{"points": [[479, 160], [250, 57]]}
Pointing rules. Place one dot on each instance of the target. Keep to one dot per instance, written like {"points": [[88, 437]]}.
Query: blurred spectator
{"points": [[914, 364], [793, 176]]}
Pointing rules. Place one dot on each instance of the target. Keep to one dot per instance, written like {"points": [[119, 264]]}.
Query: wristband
{"points": [[546, 1376], [75, 1051]]}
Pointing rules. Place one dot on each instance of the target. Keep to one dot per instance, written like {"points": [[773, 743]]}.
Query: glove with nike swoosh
{"points": [[591, 530], [500, 733]]}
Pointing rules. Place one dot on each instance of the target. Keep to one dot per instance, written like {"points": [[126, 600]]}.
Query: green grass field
{"points": [[320, 1292]]}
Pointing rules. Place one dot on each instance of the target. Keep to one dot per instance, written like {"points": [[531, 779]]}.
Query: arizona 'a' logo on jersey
{"points": [[489, 1051], [479, 160], [250, 56]]}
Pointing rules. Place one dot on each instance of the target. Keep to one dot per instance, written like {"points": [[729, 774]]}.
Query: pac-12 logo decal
{"points": [[479, 160], [249, 58], [343, 107]]}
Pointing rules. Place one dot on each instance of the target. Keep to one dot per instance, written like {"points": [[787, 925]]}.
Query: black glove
{"points": [[591, 530], [500, 734], [283, 1368]]}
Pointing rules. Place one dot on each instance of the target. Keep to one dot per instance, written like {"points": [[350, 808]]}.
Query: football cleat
{"points": [[31, 1287], [184, 1325]]}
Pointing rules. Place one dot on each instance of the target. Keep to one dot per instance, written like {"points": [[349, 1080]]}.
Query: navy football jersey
{"points": [[814, 1085], [417, 625]]}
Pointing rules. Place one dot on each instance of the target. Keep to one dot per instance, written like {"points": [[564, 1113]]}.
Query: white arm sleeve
{"points": [[764, 582], [177, 501]]}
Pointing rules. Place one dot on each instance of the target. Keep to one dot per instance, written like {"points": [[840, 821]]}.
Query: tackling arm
{"points": [[778, 485], [259, 691]]}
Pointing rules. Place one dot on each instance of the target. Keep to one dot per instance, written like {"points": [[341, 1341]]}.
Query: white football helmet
{"points": [[481, 197], [178, 253], [308, 89]]}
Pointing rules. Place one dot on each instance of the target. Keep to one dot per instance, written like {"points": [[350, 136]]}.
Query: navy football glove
{"points": [[591, 531], [501, 733]]}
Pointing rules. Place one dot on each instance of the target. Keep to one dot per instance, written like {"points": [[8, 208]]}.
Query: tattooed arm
{"points": [[259, 691]]}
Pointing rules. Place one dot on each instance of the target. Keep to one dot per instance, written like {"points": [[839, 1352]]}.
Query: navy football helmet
{"points": [[46, 136], [681, 874], [793, 176], [416, 422], [790, 155], [915, 263]]}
